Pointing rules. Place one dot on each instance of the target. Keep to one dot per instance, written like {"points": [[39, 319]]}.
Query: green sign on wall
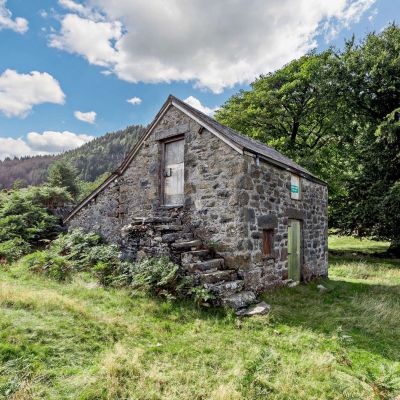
{"points": [[294, 189]]}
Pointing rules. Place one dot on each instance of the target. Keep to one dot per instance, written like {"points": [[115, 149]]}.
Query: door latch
{"points": [[168, 172]]}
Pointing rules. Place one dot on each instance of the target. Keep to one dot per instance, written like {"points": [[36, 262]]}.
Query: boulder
{"points": [[258, 309]]}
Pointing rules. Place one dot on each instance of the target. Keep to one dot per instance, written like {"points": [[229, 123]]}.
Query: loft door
{"points": [[294, 250], [173, 172]]}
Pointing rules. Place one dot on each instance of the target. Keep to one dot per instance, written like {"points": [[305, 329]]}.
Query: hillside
{"points": [[78, 340], [101, 155], [30, 170]]}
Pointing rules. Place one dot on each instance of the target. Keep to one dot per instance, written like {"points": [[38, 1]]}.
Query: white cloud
{"points": [[373, 14], [10, 147], [134, 101], [348, 15], [48, 142], [80, 9], [89, 117], [20, 92], [18, 24], [89, 38], [214, 44], [56, 142], [195, 103]]}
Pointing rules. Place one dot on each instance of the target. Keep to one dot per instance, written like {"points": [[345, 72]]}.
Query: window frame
{"points": [[268, 242]]}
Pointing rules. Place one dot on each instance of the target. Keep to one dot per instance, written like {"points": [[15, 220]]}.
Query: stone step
{"points": [[192, 244], [193, 256], [226, 288], [239, 300], [155, 220], [216, 263], [168, 228], [218, 276], [176, 236]]}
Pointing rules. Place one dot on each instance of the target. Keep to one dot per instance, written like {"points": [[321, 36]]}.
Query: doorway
{"points": [[294, 250], [174, 172]]}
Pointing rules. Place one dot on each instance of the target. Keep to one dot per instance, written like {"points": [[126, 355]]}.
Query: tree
{"points": [[21, 218], [370, 206], [86, 188], [300, 111], [64, 175], [337, 114], [50, 197]]}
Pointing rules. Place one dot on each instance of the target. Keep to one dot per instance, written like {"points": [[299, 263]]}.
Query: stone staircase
{"points": [[158, 236]]}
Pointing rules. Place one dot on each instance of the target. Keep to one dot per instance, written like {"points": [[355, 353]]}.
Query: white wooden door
{"points": [[173, 173]]}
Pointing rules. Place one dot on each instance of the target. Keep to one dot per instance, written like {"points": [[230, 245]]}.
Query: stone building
{"points": [[237, 215]]}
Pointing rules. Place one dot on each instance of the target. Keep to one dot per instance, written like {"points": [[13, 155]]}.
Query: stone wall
{"points": [[210, 193], [264, 191], [101, 215], [229, 200]]}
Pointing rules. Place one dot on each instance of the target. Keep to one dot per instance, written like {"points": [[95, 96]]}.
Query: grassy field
{"points": [[345, 244], [79, 341]]}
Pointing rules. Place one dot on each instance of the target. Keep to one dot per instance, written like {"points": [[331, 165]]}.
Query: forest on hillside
{"points": [[91, 160]]}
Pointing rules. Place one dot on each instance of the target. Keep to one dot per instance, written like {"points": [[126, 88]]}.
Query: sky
{"points": [[73, 70]]}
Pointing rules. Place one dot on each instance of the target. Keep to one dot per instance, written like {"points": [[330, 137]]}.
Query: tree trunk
{"points": [[293, 134]]}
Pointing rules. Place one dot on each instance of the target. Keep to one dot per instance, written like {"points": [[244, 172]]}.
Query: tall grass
{"points": [[76, 340]]}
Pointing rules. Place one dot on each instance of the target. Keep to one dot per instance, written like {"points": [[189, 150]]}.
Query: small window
{"points": [[295, 187], [268, 239]]}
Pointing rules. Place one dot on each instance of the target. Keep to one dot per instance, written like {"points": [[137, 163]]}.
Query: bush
{"points": [[117, 274], [12, 250], [78, 251], [47, 263], [48, 196], [155, 275], [23, 218], [76, 245]]}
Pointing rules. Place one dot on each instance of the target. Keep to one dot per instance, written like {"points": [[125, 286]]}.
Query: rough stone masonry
{"points": [[231, 232]]}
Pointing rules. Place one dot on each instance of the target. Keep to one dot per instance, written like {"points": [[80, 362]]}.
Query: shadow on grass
{"points": [[367, 314]]}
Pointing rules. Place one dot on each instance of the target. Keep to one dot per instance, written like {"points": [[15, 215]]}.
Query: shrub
{"points": [[201, 296], [155, 275], [22, 218], [48, 196], [47, 263], [105, 253], [12, 250], [76, 246], [117, 274], [78, 251]]}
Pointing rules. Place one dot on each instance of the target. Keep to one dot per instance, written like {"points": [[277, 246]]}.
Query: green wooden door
{"points": [[294, 250]]}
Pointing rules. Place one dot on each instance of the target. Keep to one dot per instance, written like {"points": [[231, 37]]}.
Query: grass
{"points": [[79, 341], [348, 244]]}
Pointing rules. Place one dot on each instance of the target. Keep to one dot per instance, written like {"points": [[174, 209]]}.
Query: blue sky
{"points": [[92, 56]]}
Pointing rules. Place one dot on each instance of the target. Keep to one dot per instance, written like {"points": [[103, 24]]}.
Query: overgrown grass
{"points": [[77, 340]]}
